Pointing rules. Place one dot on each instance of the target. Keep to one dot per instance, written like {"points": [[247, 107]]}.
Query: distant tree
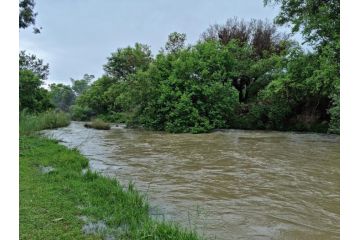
{"points": [[94, 98], [81, 85], [34, 64], [175, 42], [128, 60], [32, 96], [62, 96], [27, 15]]}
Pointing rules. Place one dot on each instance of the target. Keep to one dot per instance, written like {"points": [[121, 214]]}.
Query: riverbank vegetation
{"points": [[98, 124], [240, 74], [31, 123]]}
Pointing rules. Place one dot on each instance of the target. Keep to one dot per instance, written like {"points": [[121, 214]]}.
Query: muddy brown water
{"points": [[229, 184]]}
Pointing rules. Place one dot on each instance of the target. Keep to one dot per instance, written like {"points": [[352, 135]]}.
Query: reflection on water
{"points": [[229, 184]]}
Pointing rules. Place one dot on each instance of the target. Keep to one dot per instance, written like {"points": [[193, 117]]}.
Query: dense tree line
{"points": [[238, 75]]}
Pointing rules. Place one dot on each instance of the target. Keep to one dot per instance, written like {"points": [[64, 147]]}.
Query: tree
{"points": [[62, 96], [27, 15], [255, 46], [34, 64], [81, 85], [318, 21], [32, 96], [175, 42], [187, 93], [262, 36], [126, 61], [94, 97]]}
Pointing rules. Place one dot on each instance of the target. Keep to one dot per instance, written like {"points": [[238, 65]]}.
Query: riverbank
{"points": [[60, 196]]}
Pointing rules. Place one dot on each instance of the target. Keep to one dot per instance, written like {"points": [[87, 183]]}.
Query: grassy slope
{"points": [[51, 203]]}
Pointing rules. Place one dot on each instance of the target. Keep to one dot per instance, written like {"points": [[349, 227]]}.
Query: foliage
{"points": [[98, 124], [175, 42], [27, 15], [240, 74], [94, 98], [292, 97], [191, 96], [81, 85], [30, 123], [34, 64], [31, 95], [128, 60], [62, 96], [318, 21], [80, 113], [261, 35], [334, 111]]}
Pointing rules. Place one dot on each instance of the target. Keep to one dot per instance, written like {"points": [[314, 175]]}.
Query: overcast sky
{"points": [[78, 35]]}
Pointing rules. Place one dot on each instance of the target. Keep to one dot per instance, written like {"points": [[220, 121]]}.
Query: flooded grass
{"points": [[98, 124], [49, 203]]}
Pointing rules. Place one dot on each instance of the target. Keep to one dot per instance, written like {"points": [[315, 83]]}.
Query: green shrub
{"points": [[98, 124], [114, 117], [79, 113], [334, 111]]}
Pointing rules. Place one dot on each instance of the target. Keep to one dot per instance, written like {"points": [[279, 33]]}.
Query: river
{"points": [[229, 184]]}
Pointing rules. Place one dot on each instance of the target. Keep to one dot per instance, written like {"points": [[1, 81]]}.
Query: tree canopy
{"points": [[34, 64], [27, 15]]}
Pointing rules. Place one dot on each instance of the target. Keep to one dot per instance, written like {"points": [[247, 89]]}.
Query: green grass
{"points": [[98, 124], [52, 203], [30, 123]]}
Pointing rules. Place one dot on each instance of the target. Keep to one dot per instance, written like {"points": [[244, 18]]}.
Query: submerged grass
{"points": [[66, 202], [98, 124]]}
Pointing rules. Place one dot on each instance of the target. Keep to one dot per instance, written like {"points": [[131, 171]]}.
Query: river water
{"points": [[229, 184]]}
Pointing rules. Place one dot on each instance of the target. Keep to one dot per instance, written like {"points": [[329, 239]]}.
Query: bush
{"points": [[118, 117], [79, 113], [32, 96], [98, 124]]}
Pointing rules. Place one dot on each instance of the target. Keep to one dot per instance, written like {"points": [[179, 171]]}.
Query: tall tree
{"points": [[175, 42], [62, 96], [255, 45], [32, 96], [128, 60], [318, 21], [34, 64], [261, 35]]}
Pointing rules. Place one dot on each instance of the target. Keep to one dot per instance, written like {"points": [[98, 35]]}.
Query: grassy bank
{"points": [[61, 199], [31, 123]]}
